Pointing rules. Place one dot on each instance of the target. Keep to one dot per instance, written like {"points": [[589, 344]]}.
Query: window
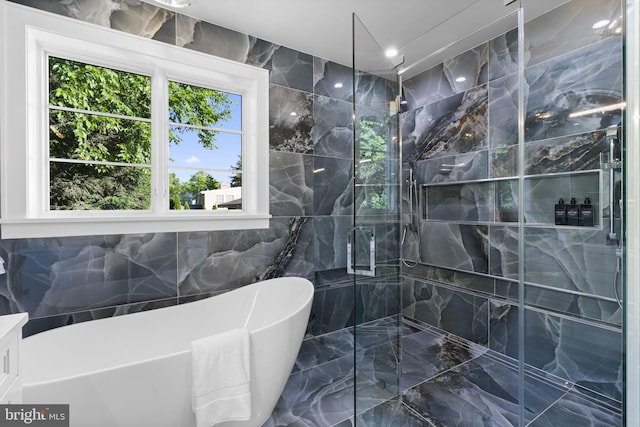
{"points": [[372, 168], [104, 132], [99, 138]]}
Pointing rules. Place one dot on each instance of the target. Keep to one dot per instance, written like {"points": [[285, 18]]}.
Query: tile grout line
{"points": [[548, 407]]}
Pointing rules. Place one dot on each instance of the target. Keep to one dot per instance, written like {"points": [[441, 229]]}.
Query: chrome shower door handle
{"points": [[360, 239]]}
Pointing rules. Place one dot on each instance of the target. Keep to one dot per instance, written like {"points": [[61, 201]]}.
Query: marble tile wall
{"points": [[460, 243], [66, 280]]}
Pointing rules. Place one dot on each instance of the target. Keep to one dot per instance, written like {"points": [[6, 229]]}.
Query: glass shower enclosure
{"points": [[373, 248], [487, 246]]}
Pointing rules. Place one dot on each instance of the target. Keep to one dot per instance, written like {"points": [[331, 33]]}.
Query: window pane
{"points": [[202, 190], [89, 137], [200, 106], [77, 186], [92, 88], [191, 151], [372, 167]]}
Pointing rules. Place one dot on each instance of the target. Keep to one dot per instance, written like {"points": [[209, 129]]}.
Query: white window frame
{"points": [[29, 36]]}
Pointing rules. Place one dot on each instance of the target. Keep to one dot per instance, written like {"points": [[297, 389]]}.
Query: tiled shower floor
{"points": [[444, 382]]}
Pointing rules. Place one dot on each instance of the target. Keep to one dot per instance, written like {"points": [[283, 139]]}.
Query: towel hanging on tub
{"points": [[221, 378]]}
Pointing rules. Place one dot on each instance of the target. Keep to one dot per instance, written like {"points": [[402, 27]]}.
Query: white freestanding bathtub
{"points": [[135, 370]]}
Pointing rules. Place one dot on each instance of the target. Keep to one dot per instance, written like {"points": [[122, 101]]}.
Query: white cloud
{"points": [[192, 159]]}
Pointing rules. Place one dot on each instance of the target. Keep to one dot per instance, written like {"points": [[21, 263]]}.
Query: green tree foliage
{"points": [[198, 182], [94, 138], [236, 179], [174, 203], [372, 165], [197, 106]]}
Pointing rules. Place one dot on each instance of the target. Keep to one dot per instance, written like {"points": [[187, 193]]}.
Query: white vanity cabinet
{"points": [[10, 338]]}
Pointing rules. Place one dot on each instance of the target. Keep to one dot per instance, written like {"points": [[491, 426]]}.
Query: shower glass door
{"points": [[572, 185], [373, 245], [511, 181]]}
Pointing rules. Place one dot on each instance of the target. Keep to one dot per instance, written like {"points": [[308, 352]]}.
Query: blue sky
{"points": [[190, 153]]}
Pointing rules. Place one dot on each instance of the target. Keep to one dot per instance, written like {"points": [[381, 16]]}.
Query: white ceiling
{"points": [[425, 32]]}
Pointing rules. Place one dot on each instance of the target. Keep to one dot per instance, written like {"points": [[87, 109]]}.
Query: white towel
{"points": [[221, 378]]}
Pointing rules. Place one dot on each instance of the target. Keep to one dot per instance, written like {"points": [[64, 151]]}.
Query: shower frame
{"points": [[630, 234]]}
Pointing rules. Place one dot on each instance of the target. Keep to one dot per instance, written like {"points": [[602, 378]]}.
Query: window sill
{"points": [[130, 224]]}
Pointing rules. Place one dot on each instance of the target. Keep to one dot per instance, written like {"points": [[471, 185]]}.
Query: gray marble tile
{"points": [[503, 256], [507, 289], [142, 19], [426, 88], [462, 247], [445, 79], [131, 16], [374, 91], [503, 328], [507, 201], [290, 184], [481, 392], [290, 68], [582, 353], [332, 310], [290, 120], [410, 121], [572, 259], [426, 354], [333, 129], [318, 350], [332, 80], [54, 276], [574, 410], [569, 27], [388, 243], [544, 193], [377, 300], [460, 167], [503, 162], [461, 202], [454, 278], [462, 314], [332, 186], [215, 40], [381, 364], [379, 331], [566, 154], [460, 120], [215, 261], [390, 414], [40, 324], [503, 55], [467, 70], [330, 239], [503, 111], [580, 306], [317, 397], [578, 82]]}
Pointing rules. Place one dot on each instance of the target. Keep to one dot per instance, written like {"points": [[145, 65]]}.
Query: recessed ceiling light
{"points": [[461, 79], [600, 24], [391, 52], [175, 3]]}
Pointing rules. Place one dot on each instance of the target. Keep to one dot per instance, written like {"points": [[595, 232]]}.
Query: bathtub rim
{"points": [[308, 300]]}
